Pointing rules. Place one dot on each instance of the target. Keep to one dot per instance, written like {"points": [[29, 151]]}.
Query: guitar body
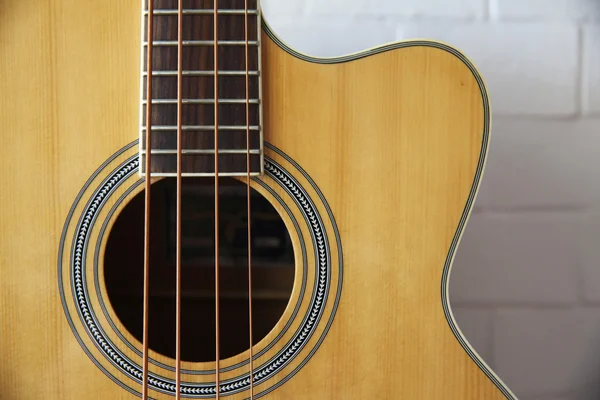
{"points": [[388, 146]]}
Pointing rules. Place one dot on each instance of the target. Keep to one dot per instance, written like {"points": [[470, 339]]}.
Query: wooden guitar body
{"points": [[373, 162]]}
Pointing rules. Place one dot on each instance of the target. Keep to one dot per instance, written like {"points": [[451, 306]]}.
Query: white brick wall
{"points": [[546, 10], [404, 8], [525, 286]]}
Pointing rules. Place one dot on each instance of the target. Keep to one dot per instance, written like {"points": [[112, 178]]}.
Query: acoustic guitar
{"points": [[200, 211]]}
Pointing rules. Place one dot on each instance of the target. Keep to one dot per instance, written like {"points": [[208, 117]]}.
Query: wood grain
{"points": [[393, 141]]}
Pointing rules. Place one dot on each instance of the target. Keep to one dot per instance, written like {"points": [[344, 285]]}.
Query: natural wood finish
{"points": [[392, 147], [392, 141]]}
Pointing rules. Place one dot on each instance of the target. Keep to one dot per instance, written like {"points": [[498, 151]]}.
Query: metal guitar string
{"points": [[148, 164], [251, 355], [179, 165], [147, 199], [216, 84]]}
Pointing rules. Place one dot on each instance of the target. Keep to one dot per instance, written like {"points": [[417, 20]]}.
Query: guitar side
{"points": [[395, 139]]}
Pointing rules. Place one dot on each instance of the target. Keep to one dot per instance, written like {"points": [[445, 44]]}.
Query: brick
{"points": [[476, 326], [530, 68], [590, 272], [328, 37], [405, 8], [591, 69], [546, 351], [541, 164], [579, 10], [517, 259]]}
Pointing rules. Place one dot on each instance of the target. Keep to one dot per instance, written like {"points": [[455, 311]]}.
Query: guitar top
{"points": [[193, 209]]}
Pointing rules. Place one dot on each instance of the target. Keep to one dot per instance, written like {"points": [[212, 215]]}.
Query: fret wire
{"points": [[202, 174], [202, 128], [202, 73], [189, 43], [200, 152], [202, 101], [202, 12]]}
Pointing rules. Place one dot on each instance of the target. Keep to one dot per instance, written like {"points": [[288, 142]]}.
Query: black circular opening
{"points": [[272, 268]]}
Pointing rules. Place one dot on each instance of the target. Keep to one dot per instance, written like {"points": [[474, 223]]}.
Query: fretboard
{"points": [[198, 89]]}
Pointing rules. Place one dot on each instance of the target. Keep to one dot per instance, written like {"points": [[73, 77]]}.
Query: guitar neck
{"points": [[238, 68]]}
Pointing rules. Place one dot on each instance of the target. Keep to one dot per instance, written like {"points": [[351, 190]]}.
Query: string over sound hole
{"points": [[272, 268]]}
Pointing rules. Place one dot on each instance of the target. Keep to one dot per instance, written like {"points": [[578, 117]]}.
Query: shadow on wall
{"points": [[585, 376], [590, 365]]}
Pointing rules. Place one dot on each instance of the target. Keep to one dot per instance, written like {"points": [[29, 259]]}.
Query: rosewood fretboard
{"points": [[198, 94]]}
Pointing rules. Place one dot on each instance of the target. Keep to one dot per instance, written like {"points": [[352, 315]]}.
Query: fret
{"points": [[201, 152], [201, 128], [174, 43], [202, 4], [199, 139], [202, 73], [203, 101], [200, 174], [202, 87], [231, 58], [204, 163], [203, 115], [202, 12], [200, 27]]}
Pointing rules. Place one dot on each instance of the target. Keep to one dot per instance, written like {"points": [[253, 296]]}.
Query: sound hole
{"points": [[272, 268]]}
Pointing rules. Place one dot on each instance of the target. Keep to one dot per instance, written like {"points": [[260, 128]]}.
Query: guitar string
{"points": [[251, 376], [179, 183], [147, 177], [179, 188], [216, 116]]}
